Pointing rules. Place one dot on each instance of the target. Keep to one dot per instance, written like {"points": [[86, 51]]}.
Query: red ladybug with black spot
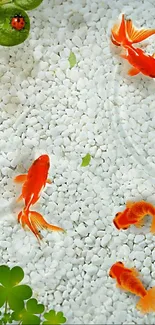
{"points": [[18, 22]]}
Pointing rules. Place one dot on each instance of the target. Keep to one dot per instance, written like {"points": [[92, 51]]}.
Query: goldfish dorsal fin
{"points": [[137, 35], [129, 204], [133, 72]]}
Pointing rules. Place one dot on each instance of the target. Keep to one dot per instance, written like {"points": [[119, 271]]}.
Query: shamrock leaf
{"points": [[86, 160], [28, 4], [6, 318], [10, 291], [27, 315], [72, 59], [54, 318], [10, 36]]}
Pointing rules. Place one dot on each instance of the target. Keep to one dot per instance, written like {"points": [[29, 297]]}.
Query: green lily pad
{"points": [[86, 160], [10, 36], [28, 4], [72, 59], [54, 318]]}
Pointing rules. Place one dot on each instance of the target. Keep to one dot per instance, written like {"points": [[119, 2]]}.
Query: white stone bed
{"points": [[95, 108]]}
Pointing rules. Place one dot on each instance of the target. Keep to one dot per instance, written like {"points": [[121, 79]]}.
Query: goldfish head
{"points": [[116, 269], [43, 159], [120, 221]]}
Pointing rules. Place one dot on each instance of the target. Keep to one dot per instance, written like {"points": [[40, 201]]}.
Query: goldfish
{"points": [[134, 214], [140, 61], [127, 279], [33, 184], [126, 33]]}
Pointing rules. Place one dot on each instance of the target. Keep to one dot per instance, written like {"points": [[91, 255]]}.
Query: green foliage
{"points": [[54, 318], [28, 4], [23, 310], [72, 59], [86, 160], [10, 36]]}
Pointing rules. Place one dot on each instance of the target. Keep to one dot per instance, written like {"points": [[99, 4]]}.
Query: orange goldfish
{"points": [[127, 279], [134, 214], [140, 61], [126, 33], [33, 183]]}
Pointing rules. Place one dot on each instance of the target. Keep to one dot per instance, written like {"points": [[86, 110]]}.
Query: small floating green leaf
{"points": [[72, 59], [10, 36], [53, 317], [86, 160], [28, 4]]}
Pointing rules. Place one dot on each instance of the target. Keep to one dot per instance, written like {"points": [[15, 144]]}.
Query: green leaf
{"points": [[28, 4], [4, 275], [72, 59], [17, 275], [17, 296], [2, 296], [86, 160], [54, 318], [33, 306], [26, 315], [10, 36]]}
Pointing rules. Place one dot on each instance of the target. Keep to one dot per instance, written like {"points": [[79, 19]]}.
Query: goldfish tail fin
{"points": [[146, 304], [153, 225], [118, 33], [137, 35], [37, 220], [24, 220]]}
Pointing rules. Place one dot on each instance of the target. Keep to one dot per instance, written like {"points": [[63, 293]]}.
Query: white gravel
{"points": [[95, 108]]}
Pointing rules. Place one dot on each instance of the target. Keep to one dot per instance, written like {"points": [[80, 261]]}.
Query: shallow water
{"points": [[95, 108]]}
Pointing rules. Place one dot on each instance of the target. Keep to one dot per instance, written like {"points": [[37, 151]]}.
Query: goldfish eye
{"points": [[125, 228], [117, 214], [120, 262], [110, 275]]}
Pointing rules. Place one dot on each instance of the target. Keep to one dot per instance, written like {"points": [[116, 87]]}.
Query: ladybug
{"points": [[18, 22]]}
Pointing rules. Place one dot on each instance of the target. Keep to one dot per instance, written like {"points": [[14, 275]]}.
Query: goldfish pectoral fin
{"points": [[133, 72], [124, 56], [20, 178], [129, 204], [38, 220], [19, 198], [134, 272], [49, 181]]}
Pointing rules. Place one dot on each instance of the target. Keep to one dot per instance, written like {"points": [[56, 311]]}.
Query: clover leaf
{"points": [[10, 36], [86, 160], [27, 315], [72, 59], [28, 4], [54, 318], [10, 291]]}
